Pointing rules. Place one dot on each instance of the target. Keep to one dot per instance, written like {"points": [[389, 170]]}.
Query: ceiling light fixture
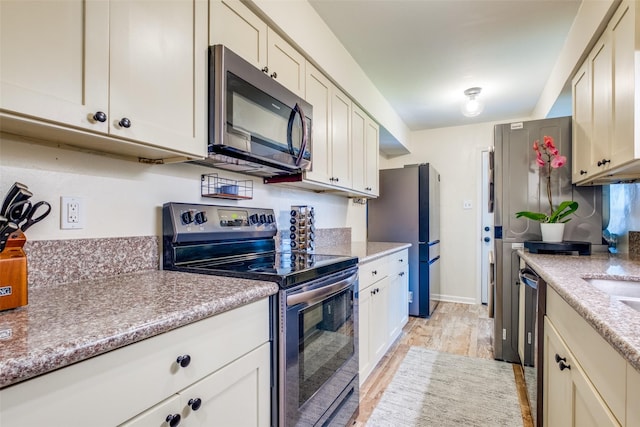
{"points": [[472, 106]]}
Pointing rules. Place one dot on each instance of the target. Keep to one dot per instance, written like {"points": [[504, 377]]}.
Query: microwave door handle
{"points": [[303, 144]]}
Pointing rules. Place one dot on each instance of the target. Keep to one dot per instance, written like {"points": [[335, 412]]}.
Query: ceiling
{"points": [[423, 54]]}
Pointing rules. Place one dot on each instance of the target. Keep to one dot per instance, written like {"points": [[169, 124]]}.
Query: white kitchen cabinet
{"points": [[318, 94], [234, 25], [104, 69], [237, 394], [146, 377], [570, 399], [340, 139], [593, 390], [398, 293], [581, 124], [364, 149], [383, 307], [608, 111]]}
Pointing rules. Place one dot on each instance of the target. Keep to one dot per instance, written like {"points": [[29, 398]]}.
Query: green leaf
{"points": [[536, 216], [564, 209]]}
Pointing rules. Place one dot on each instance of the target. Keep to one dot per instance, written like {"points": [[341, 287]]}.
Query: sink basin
{"points": [[626, 291]]}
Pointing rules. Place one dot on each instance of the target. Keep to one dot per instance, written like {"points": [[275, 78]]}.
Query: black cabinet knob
{"points": [[100, 117], [401, 273], [558, 358], [265, 70], [487, 239], [274, 75], [183, 360], [603, 162], [374, 272], [564, 366], [173, 420], [195, 403], [583, 172], [124, 122]]}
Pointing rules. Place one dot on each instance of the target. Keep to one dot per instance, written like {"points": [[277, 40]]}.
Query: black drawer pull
{"points": [[183, 360]]}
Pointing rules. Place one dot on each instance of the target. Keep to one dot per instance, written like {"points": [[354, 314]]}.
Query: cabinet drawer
{"points": [[602, 364], [399, 261], [135, 377], [373, 271]]}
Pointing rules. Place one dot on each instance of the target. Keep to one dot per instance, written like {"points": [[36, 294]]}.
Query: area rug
{"points": [[432, 388]]}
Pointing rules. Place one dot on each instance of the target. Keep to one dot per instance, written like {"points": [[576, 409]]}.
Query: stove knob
{"points": [[201, 218], [271, 219], [263, 219], [187, 217], [253, 219]]}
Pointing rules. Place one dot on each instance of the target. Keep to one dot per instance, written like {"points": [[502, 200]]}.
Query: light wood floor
{"points": [[453, 328]]}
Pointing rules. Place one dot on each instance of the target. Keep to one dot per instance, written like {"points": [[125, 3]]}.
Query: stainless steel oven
{"points": [[317, 321], [314, 314]]}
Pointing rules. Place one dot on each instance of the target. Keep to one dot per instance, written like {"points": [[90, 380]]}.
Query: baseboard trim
{"points": [[450, 298]]}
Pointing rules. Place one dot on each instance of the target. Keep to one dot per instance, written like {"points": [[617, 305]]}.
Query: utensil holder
{"points": [[302, 228], [13, 273]]}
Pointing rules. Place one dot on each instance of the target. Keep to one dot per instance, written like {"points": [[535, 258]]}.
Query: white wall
{"points": [[124, 198]]}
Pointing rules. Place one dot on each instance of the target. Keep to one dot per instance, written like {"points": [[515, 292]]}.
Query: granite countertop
{"points": [[67, 323], [616, 322], [365, 251], [70, 322]]}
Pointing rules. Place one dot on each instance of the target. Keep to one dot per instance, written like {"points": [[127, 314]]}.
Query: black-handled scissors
{"points": [[24, 214]]}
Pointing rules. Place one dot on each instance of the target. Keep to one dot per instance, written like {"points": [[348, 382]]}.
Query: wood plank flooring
{"points": [[462, 329]]}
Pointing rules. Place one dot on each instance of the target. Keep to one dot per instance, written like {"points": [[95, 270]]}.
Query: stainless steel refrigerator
{"points": [[408, 210], [517, 187]]}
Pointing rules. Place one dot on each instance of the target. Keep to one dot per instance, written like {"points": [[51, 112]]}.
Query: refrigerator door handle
{"points": [[435, 242], [434, 260]]}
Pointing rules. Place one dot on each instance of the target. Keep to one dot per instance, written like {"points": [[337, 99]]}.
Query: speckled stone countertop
{"points": [[365, 251], [616, 322], [70, 322]]}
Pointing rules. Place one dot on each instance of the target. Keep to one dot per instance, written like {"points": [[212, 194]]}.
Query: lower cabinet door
{"points": [[570, 399], [237, 395]]}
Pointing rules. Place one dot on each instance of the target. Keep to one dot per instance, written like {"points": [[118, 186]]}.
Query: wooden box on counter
{"points": [[13, 273]]}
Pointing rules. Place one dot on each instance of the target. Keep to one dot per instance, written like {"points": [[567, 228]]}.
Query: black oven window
{"points": [[326, 341]]}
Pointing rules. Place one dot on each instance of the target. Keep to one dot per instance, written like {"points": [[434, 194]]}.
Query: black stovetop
{"points": [[285, 268]]}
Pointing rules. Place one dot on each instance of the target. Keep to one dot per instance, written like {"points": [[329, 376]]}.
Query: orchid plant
{"points": [[547, 155]]}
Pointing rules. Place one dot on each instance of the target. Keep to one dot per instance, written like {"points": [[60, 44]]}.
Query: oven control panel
{"points": [[197, 218]]}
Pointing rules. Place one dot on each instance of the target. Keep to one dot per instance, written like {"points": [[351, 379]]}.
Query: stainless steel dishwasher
{"points": [[531, 336]]}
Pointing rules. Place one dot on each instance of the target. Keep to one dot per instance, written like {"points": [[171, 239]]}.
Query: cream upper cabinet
{"points": [[234, 25], [358, 151], [611, 103], [581, 124], [340, 139], [285, 63], [600, 65], [372, 148], [318, 93], [103, 74], [364, 152], [624, 146], [158, 52], [54, 60]]}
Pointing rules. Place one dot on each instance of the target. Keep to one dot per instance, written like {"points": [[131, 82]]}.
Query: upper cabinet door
{"points": [[341, 139], [158, 73], [54, 60], [318, 94], [372, 148], [286, 64], [238, 28]]}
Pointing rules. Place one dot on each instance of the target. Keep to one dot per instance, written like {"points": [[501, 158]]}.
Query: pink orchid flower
{"points": [[558, 161]]}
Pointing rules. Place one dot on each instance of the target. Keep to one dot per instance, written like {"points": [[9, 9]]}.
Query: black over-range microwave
{"points": [[256, 125]]}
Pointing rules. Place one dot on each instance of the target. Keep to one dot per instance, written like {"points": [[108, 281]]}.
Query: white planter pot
{"points": [[552, 232]]}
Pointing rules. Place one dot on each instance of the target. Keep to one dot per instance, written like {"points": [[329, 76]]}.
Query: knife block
{"points": [[13, 273]]}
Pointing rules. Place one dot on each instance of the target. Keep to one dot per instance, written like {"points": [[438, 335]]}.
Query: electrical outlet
{"points": [[72, 213]]}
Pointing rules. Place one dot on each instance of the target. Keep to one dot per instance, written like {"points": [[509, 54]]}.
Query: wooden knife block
{"points": [[13, 273]]}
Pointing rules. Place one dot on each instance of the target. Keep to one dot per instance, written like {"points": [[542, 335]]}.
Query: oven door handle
{"points": [[320, 293]]}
